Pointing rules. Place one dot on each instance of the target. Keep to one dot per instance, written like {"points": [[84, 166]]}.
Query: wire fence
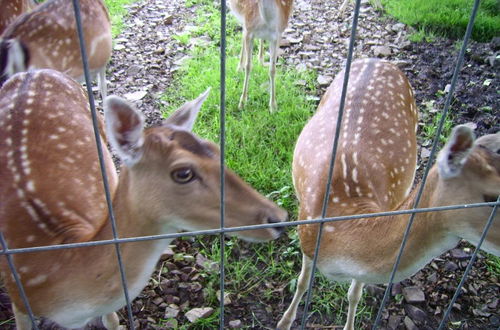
{"points": [[116, 241]]}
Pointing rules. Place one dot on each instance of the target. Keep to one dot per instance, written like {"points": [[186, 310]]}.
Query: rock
{"points": [[495, 43], [394, 322], [459, 254], [381, 51], [409, 324], [235, 324], [171, 311], [450, 266], [168, 20], [198, 313], [413, 294], [324, 80], [416, 314], [227, 299], [135, 96]]}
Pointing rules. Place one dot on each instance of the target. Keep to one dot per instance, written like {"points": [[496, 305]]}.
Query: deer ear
{"points": [[185, 116], [454, 154], [124, 129]]}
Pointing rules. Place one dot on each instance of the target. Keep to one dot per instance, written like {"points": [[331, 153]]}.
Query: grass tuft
{"points": [[448, 17]]}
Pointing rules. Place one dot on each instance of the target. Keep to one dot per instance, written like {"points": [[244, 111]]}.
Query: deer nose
{"points": [[280, 230]]}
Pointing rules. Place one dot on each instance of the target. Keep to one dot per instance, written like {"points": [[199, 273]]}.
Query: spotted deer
{"points": [[51, 193], [47, 37], [374, 171], [11, 9], [266, 20]]}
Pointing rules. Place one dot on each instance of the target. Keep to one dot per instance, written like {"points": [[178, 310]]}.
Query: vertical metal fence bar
{"points": [[222, 153], [469, 266], [431, 157], [20, 287], [334, 154], [88, 81]]}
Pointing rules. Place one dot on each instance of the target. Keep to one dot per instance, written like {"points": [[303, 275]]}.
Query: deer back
{"points": [[11, 9], [376, 157], [49, 162], [49, 35]]}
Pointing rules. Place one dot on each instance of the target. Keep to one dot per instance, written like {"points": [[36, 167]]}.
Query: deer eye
{"points": [[183, 175]]}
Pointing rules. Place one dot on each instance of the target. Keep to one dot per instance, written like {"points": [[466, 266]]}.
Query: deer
{"points": [[46, 37], [374, 171], [51, 192], [266, 20], [13, 8]]}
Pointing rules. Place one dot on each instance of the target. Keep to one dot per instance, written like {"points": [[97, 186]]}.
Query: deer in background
{"points": [[46, 37], [266, 20], [11, 9], [374, 171], [51, 193]]}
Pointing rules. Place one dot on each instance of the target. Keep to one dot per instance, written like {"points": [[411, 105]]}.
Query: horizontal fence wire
{"points": [[222, 230], [243, 228], [454, 79], [350, 53]]}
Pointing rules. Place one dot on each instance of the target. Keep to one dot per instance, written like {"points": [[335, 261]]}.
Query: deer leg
{"points": [[23, 321], [241, 65], [247, 48], [101, 82], [354, 295], [111, 321], [273, 50], [261, 52], [305, 275]]}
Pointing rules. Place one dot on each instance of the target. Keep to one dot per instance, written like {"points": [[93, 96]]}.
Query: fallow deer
{"points": [[266, 20], [374, 171], [51, 193], [47, 37], [11, 9]]}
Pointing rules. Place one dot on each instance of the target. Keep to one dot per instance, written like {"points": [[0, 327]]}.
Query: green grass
{"points": [[117, 12], [259, 144], [447, 18]]}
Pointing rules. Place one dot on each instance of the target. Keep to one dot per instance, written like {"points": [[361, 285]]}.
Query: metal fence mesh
{"points": [[222, 230]]}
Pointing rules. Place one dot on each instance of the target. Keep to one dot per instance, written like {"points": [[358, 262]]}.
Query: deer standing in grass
{"points": [[47, 37], [11, 9], [266, 20], [51, 193], [374, 171]]}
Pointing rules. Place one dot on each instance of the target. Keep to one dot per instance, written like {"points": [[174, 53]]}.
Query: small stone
{"points": [[227, 299], [135, 96], [235, 324], [459, 254], [171, 312], [409, 324], [168, 20], [413, 294], [416, 314], [495, 43], [198, 313], [381, 51], [394, 322], [324, 80]]}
